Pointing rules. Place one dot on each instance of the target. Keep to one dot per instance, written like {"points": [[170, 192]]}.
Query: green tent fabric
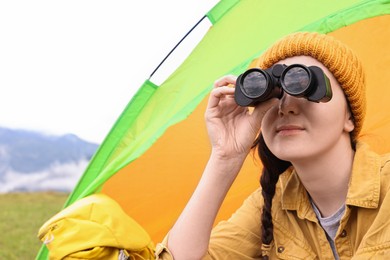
{"points": [[240, 31]]}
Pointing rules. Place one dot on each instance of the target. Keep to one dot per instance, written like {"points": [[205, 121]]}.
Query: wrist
{"points": [[226, 164], [229, 158]]}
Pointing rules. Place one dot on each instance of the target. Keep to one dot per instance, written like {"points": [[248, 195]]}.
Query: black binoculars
{"points": [[256, 85]]}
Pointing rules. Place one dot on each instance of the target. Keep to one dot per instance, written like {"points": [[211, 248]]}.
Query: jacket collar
{"points": [[363, 191]]}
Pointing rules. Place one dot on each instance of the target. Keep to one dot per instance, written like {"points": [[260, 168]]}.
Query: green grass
{"points": [[21, 216]]}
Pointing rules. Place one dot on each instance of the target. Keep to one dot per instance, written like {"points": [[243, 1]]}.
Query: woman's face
{"points": [[297, 129]]}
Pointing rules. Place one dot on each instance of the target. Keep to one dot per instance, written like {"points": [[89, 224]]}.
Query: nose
{"points": [[288, 105]]}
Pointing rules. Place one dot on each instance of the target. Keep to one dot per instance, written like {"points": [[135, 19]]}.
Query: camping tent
{"points": [[153, 156]]}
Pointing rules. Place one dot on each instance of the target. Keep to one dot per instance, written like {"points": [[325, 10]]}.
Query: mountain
{"points": [[33, 161]]}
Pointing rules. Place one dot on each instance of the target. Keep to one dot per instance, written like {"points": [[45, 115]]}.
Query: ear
{"points": [[349, 124]]}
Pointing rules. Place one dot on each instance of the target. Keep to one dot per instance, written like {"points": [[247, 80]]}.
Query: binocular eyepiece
{"points": [[256, 85]]}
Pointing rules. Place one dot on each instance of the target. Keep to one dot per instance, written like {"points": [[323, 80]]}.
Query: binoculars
{"points": [[256, 85]]}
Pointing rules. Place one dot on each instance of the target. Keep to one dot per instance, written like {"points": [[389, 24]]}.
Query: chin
{"points": [[291, 157], [290, 152]]}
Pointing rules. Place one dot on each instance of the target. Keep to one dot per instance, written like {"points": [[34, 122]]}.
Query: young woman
{"points": [[323, 194]]}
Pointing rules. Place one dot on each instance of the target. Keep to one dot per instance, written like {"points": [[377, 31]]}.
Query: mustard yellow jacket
{"points": [[364, 231]]}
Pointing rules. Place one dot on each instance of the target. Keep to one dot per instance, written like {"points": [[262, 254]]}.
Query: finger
{"points": [[225, 80], [228, 97], [219, 93]]}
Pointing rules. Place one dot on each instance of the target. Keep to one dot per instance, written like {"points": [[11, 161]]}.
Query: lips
{"points": [[289, 129]]}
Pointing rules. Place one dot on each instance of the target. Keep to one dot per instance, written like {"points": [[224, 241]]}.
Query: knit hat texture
{"points": [[336, 56]]}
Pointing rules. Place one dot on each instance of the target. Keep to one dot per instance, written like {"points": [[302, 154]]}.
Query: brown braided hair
{"points": [[272, 168]]}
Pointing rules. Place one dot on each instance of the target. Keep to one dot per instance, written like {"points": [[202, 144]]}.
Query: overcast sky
{"points": [[72, 66]]}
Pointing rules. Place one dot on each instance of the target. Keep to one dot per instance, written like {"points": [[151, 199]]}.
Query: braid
{"points": [[272, 168]]}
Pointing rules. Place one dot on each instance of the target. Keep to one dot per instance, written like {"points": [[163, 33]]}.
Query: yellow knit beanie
{"points": [[336, 56]]}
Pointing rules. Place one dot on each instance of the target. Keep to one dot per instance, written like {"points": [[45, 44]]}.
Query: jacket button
{"points": [[343, 233], [280, 249]]}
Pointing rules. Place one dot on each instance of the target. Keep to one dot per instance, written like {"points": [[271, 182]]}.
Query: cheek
{"points": [[333, 114], [327, 124], [268, 120]]}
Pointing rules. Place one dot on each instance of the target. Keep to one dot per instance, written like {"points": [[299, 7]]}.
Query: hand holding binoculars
{"points": [[257, 85]]}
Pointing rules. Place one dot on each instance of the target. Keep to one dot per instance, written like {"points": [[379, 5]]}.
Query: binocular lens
{"points": [[254, 84], [296, 80]]}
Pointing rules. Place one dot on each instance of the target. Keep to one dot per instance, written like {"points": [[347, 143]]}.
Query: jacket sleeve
{"points": [[239, 237]]}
